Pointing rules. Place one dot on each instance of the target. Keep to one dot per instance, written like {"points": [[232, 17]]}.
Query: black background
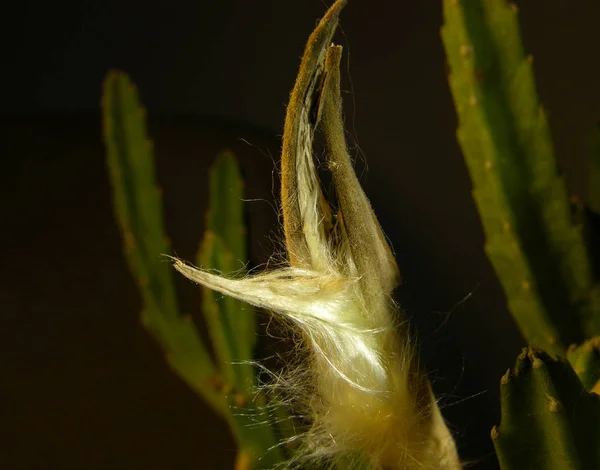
{"points": [[83, 386]]}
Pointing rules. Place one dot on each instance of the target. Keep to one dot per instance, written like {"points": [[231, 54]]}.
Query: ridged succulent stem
{"points": [[538, 252], [228, 388], [549, 421]]}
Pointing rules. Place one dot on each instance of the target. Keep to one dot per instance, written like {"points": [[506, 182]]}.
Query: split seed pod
{"points": [[369, 396]]}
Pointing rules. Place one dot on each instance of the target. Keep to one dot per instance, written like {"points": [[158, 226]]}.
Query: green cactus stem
{"points": [[585, 360], [539, 254], [231, 323], [138, 209], [549, 421], [137, 204]]}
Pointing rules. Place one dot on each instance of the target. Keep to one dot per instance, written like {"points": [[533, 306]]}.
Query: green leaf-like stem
{"points": [[549, 421], [538, 253], [138, 209]]}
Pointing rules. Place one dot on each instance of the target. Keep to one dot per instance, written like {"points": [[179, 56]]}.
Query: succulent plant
{"points": [[360, 385]]}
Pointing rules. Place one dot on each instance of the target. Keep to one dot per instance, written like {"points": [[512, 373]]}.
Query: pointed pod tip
{"points": [[338, 5], [332, 15]]}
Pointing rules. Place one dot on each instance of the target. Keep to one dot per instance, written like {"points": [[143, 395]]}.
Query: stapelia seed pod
{"points": [[362, 387]]}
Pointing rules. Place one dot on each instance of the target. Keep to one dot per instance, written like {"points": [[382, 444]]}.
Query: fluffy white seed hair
{"points": [[365, 392]]}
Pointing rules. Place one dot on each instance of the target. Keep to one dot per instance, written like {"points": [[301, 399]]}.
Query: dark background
{"points": [[83, 385]]}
